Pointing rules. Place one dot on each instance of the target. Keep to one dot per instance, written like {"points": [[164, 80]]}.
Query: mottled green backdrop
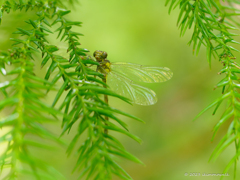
{"points": [[143, 32]]}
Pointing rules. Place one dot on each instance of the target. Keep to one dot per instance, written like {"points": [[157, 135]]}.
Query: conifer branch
{"points": [[212, 21], [82, 104]]}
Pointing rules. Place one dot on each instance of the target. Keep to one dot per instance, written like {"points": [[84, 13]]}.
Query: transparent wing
{"points": [[140, 73], [126, 87]]}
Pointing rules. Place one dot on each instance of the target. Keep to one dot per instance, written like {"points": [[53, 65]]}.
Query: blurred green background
{"points": [[143, 32]]}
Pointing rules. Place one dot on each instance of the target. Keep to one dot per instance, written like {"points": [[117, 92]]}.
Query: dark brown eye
{"points": [[97, 53], [104, 55], [100, 55]]}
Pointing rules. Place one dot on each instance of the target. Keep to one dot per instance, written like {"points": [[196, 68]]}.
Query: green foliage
{"points": [[23, 93], [82, 106], [212, 22]]}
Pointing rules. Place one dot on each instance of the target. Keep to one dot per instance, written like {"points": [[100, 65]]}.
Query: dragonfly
{"points": [[123, 78]]}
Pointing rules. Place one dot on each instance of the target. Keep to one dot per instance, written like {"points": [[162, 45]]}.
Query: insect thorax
{"points": [[104, 66]]}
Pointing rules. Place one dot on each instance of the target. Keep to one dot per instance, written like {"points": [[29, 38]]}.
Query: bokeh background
{"points": [[143, 32]]}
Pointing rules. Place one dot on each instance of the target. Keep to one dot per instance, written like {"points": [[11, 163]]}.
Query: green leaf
{"points": [[25, 32], [226, 117], [51, 69], [213, 104], [102, 90], [225, 142], [9, 120], [209, 55], [126, 114], [60, 92], [126, 155], [8, 102], [45, 60], [117, 129], [120, 170], [1, 14], [233, 160], [72, 144], [45, 29], [63, 12], [109, 114]]}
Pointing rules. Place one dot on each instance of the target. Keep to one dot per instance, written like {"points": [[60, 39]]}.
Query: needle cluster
{"points": [[213, 23], [78, 99]]}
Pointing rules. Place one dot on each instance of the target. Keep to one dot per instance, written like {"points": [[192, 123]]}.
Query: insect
{"points": [[123, 77]]}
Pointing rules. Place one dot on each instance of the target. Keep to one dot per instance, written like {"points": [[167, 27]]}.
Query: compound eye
{"points": [[97, 53], [104, 55]]}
